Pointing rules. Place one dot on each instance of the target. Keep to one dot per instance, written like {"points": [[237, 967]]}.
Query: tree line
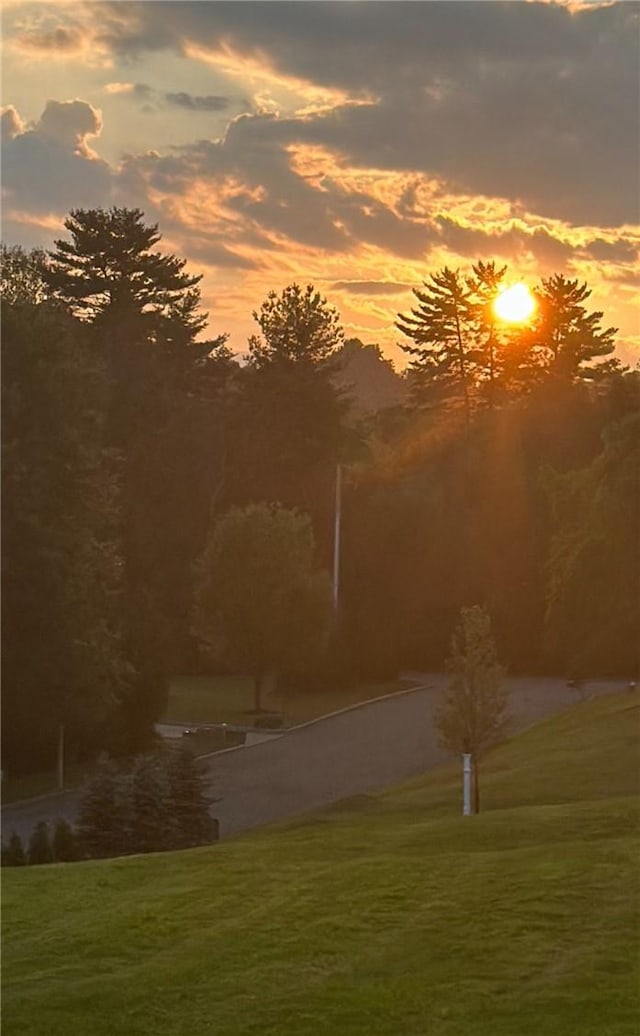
{"points": [[504, 473]]}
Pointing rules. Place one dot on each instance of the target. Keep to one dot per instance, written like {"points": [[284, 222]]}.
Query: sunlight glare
{"points": [[515, 304]]}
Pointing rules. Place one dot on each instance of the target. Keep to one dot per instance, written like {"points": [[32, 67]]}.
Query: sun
{"points": [[515, 304]]}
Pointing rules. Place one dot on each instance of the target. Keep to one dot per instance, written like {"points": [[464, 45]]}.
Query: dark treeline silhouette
{"points": [[501, 468]]}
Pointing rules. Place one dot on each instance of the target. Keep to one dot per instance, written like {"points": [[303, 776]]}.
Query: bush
{"points": [[13, 854], [104, 817], [188, 805], [65, 842], [40, 850], [158, 805]]}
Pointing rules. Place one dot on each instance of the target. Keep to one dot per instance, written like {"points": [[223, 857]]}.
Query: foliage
{"points": [[164, 417], [472, 715], [593, 604], [298, 326], [261, 599], [13, 854], [157, 805], [461, 352], [286, 414], [64, 660], [65, 845], [22, 275], [439, 327], [571, 343], [104, 815], [188, 805], [108, 272], [40, 850]]}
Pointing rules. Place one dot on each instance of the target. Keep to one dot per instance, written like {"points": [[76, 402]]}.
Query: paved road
{"points": [[360, 750]]}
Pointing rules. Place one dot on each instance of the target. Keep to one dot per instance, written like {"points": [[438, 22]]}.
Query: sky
{"points": [[358, 146]]}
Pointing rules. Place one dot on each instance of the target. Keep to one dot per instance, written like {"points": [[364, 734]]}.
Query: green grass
{"points": [[384, 914], [229, 699], [34, 784]]}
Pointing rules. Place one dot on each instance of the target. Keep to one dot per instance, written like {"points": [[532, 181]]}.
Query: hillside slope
{"points": [[386, 914]]}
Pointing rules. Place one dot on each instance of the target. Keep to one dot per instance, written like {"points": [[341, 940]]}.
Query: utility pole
{"points": [[336, 537]]}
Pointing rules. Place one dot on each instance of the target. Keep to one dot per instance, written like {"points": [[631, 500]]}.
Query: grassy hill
{"points": [[382, 915]]}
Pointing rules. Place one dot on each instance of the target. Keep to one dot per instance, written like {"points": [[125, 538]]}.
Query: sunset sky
{"points": [[355, 145]]}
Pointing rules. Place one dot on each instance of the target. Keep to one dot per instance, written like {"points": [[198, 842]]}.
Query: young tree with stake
{"points": [[472, 715]]}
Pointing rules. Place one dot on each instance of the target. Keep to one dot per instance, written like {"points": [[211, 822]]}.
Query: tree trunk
{"points": [[475, 785], [264, 684]]}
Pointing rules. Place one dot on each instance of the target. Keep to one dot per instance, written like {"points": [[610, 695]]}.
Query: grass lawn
{"points": [[229, 699], [385, 914], [33, 784]]}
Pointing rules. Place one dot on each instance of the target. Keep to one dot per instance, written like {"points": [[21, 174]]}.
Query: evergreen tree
{"points": [[150, 790], [109, 273], [187, 805], [472, 715], [40, 850], [13, 854], [105, 815], [494, 358], [65, 842], [440, 328], [162, 418], [569, 342], [298, 326], [63, 656], [287, 416]]}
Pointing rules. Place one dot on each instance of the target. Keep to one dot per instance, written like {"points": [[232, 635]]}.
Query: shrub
{"points": [[13, 854], [40, 850], [65, 842], [159, 805], [104, 817]]}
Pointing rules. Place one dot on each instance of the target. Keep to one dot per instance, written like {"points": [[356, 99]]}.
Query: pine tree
{"points": [[288, 415], [298, 326], [441, 329], [65, 842], [13, 854], [105, 819], [570, 343], [150, 790], [109, 273], [188, 806], [40, 850], [490, 355]]}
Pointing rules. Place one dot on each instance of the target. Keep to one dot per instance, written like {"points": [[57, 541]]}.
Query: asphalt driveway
{"points": [[360, 750]]}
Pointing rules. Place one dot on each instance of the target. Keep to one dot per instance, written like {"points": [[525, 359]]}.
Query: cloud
{"points": [[177, 99], [51, 167], [616, 251], [191, 102], [12, 124], [61, 40], [533, 102], [371, 287], [139, 90]]}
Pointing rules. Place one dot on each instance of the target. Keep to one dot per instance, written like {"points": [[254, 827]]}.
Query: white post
{"points": [[466, 785], [336, 537]]}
